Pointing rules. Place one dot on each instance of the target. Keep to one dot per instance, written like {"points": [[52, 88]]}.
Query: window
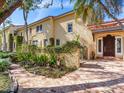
{"points": [[30, 31], [45, 42], [57, 42], [99, 46], [39, 28], [70, 27], [118, 45], [35, 42]]}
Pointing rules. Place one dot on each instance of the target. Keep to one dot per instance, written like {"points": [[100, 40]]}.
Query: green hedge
{"points": [[4, 65]]}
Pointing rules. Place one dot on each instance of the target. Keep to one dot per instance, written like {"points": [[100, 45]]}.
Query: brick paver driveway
{"points": [[91, 77]]}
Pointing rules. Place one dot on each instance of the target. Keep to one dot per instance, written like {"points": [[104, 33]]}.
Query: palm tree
{"points": [[26, 7], [94, 11]]}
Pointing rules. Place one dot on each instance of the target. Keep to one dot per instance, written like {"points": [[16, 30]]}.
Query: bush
{"points": [[53, 60], [4, 65], [28, 54], [4, 55], [68, 47], [71, 46], [40, 60]]}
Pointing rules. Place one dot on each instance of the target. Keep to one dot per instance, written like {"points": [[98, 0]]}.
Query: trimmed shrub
{"points": [[4, 65]]}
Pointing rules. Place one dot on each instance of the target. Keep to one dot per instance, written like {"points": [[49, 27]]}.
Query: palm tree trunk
{"points": [[25, 15], [4, 39]]}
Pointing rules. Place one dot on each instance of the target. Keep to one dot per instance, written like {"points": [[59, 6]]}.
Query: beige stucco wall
{"points": [[46, 33], [57, 27], [8, 31], [79, 29]]}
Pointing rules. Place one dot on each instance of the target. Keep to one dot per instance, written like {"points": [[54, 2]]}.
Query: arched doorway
{"points": [[109, 45]]}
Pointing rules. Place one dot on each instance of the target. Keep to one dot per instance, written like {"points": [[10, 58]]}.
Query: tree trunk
{"points": [[4, 39], [25, 15], [5, 13]]}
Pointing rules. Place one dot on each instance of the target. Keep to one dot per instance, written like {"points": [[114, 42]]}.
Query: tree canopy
{"points": [[90, 11], [94, 11]]}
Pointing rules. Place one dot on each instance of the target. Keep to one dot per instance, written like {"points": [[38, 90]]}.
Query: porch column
{"points": [[91, 49]]}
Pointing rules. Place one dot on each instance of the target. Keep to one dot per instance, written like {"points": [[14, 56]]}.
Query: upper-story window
{"points": [[30, 30], [39, 28], [70, 27]]}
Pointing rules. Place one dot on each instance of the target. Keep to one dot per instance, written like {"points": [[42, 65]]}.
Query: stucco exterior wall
{"points": [[56, 27], [46, 33], [79, 30], [8, 31]]}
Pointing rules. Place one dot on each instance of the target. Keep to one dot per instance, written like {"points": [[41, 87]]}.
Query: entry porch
{"points": [[110, 44]]}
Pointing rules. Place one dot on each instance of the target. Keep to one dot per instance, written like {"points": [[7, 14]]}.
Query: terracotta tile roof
{"points": [[110, 25]]}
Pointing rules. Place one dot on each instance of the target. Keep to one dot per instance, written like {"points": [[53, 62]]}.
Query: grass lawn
{"points": [[4, 83]]}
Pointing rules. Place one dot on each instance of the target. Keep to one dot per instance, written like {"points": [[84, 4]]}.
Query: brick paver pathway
{"points": [[91, 77]]}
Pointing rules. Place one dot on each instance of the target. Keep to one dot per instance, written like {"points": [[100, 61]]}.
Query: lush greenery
{"points": [[4, 65], [68, 47], [4, 83], [19, 41], [94, 11], [5, 54], [45, 61]]}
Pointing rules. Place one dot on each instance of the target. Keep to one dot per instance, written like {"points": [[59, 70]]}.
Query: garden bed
{"points": [[5, 82], [51, 61], [51, 72]]}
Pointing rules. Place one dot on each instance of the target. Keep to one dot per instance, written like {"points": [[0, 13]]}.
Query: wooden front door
{"points": [[109, 46]]}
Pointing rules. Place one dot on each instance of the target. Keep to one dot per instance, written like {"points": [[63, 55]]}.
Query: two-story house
{"points": [[57, 30], [105, 40]]}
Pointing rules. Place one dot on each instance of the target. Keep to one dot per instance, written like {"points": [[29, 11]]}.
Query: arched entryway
{"points": [[109, 45]]}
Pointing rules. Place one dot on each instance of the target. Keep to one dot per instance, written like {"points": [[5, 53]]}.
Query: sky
{"points": [[55, 9]]}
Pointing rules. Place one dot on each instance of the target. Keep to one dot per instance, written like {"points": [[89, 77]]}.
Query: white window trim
{"points": [[56, 42], [99, 53], [67, 27], [121, 45]]}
